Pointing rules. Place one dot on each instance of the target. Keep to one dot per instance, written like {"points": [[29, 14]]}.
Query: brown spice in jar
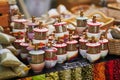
{"points": [[81, 23], [61, 50], [40, 35], [64, 28], [50, 54], [83, 45], [104, 46], [93, 29], [93, 50], [35, 59], [19, 26], [71, 47], [58, 29]]}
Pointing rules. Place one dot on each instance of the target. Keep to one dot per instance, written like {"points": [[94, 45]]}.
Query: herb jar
{"points": [[50, 57], [61, 52], [37, 61], [104, 46]]}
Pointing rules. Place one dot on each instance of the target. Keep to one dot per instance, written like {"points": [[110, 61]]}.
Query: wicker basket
{"points": [[102, 18], [114, 46]]}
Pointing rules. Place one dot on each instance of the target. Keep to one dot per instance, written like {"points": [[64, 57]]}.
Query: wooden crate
{"points": [[4, 7], [4, 14]]}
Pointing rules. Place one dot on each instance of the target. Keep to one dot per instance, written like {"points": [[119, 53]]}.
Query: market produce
{"points": [[65, 74], [52, 76]]}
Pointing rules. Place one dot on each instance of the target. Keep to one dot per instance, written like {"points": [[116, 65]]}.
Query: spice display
{"points": [[76, 73], [52, 76], [99, 71], [116, 69], [39, 77], [87, 72], [65, 74], [109, 70]]}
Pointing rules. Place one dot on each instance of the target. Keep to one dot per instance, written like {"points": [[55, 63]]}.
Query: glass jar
{"points": [[50, 57], [93, 48], [60, 27], [40, 34], [19, 23], [93, 27], [72, 45], [36, 56]]}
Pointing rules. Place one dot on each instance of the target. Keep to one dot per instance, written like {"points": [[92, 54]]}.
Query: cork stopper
{"points": [[60, 40], [36, 46], [33, 19], [94, 19], [26, 37], [59, 19], [81, 13], [85, 36], [49, 44], [19, 15], [93, 40], [40, 25], [102, 37], [70, 37]]}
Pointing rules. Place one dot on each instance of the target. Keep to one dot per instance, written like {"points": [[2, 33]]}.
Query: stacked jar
{"points": [[61, 51], [93, 28], [93, 50], [104, 46], [83, 48], [50, 56], [19, 30], [61, 30], [72, 51], [40, 35], [81, 23], [31, 26], [37, 61]]}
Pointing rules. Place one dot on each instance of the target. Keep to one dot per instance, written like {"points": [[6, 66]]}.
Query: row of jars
{"points": [[93, 49]]}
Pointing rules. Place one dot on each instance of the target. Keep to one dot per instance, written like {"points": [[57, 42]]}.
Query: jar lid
{"points": [[36, 52], [60, 45], [93, 44], [103, 41], [83, 40], [59, 24], [72, 42], [81, 18], [40, 30], [20, 20], [24, 44], [32, 24], [52, 49], [19, 40], [75, 36], [90, 23]]}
